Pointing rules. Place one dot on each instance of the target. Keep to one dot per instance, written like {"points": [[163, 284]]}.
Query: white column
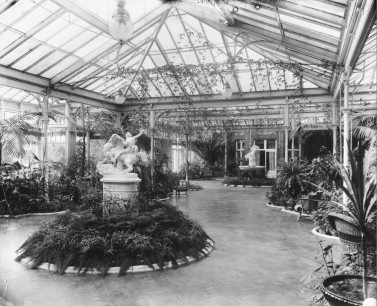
{"points": [[226, 152], [70, 137], [345, 129], [152, 126], [334, 128], [286, 129], [1, 109], [346, 123]]}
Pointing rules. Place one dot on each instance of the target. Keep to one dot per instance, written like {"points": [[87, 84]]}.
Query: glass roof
{"points": [[67, 42]]}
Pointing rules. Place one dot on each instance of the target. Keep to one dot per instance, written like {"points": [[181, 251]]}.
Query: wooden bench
{"points": [[182, 187]]}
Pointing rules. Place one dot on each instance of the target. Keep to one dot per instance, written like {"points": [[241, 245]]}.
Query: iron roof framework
{"points": [[64, 46]]}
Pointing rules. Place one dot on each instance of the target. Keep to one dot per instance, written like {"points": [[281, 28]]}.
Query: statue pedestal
{"points": [[119, 191], [254, 172]]}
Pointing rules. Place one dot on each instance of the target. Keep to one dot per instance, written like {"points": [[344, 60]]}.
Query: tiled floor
{"points": [[260, 255]]}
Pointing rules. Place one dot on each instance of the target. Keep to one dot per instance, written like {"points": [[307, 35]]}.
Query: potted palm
{"points": [[291, 178], [355, 225]]}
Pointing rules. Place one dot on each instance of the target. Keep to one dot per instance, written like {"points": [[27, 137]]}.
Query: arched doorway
{"points": [[316, 143]]}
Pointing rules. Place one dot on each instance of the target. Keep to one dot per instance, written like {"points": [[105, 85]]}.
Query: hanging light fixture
{"points": [[119, 97], [120, 26], [227, 91]]}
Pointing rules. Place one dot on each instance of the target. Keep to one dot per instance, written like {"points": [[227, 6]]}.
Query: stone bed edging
{"points": [[296, 213], [115, 270], [325, 237], [34, 214], [274, 206], [247, 186]]}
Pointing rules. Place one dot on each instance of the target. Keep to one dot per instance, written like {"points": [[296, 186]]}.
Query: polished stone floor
{"points": [[260, 255]]}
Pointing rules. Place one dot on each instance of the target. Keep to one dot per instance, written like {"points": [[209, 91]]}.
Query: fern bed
{"points": [[157, 234]]}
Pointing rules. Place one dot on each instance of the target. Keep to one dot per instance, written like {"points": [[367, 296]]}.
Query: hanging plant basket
{"points": [[348, 230]]}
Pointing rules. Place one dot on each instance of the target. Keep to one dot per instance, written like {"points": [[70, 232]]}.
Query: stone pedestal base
{"points": [[254, 172], [119, 192]]}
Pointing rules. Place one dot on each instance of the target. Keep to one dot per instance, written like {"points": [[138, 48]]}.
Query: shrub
{"points": [[159, 233], [256, 182]]}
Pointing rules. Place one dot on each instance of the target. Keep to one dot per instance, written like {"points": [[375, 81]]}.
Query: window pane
{"points": [[271, 143], [259, 143], [270, 161]]}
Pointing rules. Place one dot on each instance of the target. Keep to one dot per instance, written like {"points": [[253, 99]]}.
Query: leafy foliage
{"points": [[359, 185], [291, 177], [16, 133], [256, 182], [210, 147], [159, 233]]}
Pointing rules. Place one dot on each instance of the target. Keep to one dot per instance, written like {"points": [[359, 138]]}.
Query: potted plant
{"points": [[356, 223], [291, 178]]}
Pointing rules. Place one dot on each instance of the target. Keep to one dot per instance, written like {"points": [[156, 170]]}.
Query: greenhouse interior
{"points": [[188, 152]]}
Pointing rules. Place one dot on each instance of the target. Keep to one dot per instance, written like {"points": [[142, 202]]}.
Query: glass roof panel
{"points": [[246, 81], [164, 89], [10, 93], [178, 32], [19, 95], [32, 57], [60, 66], [78, 41], [3, 90], [148, 64], [68, 32], [57, 26], [166, 40], [307, 84], [212, 35], [322, 6], [254, 55], [189, 57], [159, 60], [308, 25], [82, 75], [291, 80], [31, 19], [148, 33], [310, 41], [152, 89], [260, 78], [175, 58], [47, 62], [205, 56], [7, 37], [91, 46], [277, 79], [18, 52], [16, 11], [50, 6], [268, 16]]}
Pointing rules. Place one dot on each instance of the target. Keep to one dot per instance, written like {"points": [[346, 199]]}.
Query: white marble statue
{"points": [[120, 155], [252, 156]]}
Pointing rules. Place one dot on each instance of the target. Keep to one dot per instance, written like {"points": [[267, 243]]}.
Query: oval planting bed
{"points": [[159, 236]]}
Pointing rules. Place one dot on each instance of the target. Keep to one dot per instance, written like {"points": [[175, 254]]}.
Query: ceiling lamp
{"points": [[257, 6], [120, 26], [227, 91], [119, 98]]}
